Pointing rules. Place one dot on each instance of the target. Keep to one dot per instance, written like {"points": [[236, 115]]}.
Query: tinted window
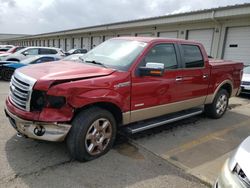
{"points": [[192, 56], [162, 53], [47, 51], [43, 59], [33, 51]]}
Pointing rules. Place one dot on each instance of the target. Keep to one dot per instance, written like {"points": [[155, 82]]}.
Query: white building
{"points": [[224, 31]]}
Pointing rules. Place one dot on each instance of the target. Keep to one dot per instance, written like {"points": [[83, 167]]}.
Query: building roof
{"points": [[198, 15]]}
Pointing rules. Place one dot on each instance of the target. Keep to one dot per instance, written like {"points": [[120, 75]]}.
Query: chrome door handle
{"points": [[205, 76], [177, 79]]}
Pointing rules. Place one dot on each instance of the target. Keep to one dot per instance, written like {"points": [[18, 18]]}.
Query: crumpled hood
{"points": [[64, 70]]}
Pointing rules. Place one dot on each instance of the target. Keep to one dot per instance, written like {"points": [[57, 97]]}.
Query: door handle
{"points": [[205, 76], [177, 79]]}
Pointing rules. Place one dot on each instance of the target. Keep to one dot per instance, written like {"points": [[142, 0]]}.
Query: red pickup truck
{"points": [[127, 83]]}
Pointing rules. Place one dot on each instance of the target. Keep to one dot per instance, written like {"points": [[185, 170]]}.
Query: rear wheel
{"points": [[219, 106], [7, 73], [92, 134]]}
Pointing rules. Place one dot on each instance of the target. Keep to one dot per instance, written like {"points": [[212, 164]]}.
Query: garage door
{"points": [[85, 43], [56, 43], [77, 43], [68, 43], [96, 41], [238, 44], [169, 34], [204, 36], [62, 44], [144, 34]]}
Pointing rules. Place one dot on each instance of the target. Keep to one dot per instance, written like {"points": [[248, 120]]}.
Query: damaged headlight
{"points": [[39, 100]]}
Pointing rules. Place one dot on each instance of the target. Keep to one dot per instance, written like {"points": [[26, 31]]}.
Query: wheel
{"points": [[92, 134], [7, 74], [219, 106]]}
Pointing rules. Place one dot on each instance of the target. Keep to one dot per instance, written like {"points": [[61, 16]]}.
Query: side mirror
{"points": [[152, 69], [25, 53]]}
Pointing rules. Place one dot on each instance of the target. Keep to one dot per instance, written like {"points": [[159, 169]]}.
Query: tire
{"points": [[88, 139], [219, 106], [7, 73]]}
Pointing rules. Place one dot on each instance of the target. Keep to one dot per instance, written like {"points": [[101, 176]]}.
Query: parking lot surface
{"points": [[182, 154]]}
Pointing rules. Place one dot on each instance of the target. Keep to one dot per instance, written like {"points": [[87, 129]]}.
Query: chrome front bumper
{"points": [[38, 130], [227, 179]]}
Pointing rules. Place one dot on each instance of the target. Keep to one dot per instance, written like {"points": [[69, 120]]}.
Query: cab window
{"points": [[162, 53], [192, 56]]}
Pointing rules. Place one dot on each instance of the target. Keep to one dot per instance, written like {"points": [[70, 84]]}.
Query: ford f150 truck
{"points": [[127, 83]]}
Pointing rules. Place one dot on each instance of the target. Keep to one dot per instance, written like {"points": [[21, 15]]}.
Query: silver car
{"points": [[245, 81], [33, 51], [236, 171]]}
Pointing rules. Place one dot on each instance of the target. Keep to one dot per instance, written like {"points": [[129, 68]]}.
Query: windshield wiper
{"points": [[95, 62]]}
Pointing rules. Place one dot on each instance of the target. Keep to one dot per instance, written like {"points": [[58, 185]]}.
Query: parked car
{"points": [[33, 51], [11, 50], [76, 51], [7, 68], [245, 82], [126, 83], [236, 170]]}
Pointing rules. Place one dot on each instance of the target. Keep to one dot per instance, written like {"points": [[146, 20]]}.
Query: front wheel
{"points": [[219, 106], [92, 134]]}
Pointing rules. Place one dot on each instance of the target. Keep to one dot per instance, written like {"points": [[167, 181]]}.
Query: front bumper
{"points": [[245, 89], [38, 130], [227, 179]]}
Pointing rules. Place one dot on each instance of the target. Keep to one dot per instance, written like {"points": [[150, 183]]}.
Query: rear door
{"points": [[194, 75]]}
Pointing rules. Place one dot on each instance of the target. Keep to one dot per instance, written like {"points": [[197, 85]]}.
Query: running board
{"points": [[149, 124]]}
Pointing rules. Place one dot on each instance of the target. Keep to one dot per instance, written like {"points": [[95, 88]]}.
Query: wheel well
{"points": [[228, 88], [114, 109]]}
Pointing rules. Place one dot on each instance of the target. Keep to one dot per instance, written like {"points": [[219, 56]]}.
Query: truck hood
{"points": [[64, 70]]}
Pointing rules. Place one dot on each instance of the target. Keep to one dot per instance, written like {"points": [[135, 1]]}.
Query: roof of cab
{"points": [[157, 39]]}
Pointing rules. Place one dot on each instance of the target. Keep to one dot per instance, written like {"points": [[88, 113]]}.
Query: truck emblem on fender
{"points": [[123, 84]]}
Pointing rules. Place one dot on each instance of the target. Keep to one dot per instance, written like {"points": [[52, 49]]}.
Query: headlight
{"points": [[39, 100], [241, 175]]}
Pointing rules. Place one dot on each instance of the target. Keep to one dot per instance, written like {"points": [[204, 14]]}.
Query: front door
{"points": [[150, 95]]}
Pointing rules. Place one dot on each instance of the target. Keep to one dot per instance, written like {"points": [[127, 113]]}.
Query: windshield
{"points": [[116, 53], [247, 70], [29, 60]]}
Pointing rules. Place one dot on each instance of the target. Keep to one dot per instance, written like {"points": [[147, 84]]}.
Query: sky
{"points": [[41, 16]]}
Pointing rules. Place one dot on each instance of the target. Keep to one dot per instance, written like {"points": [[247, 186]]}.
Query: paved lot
{"points": [[169, 156], [30, 163]]}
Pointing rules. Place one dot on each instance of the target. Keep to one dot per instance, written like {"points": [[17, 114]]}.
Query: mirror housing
{"points": [[152, 69], [25, 53]]}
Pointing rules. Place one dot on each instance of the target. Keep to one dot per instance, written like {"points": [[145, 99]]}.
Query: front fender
{"points": [[101, 95]]}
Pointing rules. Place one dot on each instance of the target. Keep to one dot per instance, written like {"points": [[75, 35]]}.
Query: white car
{"points": [[245, 81], [236, 170], [32, 51]]}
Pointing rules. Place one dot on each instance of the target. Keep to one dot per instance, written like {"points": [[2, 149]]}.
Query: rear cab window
{"points": [[192, 56]]}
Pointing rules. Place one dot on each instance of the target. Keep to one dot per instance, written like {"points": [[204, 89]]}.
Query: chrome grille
{"points": [[20, 90], [245, 83]]}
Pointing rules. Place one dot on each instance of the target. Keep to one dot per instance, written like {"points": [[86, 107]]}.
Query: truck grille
{"points": [[20, 90], [245, 83]]}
